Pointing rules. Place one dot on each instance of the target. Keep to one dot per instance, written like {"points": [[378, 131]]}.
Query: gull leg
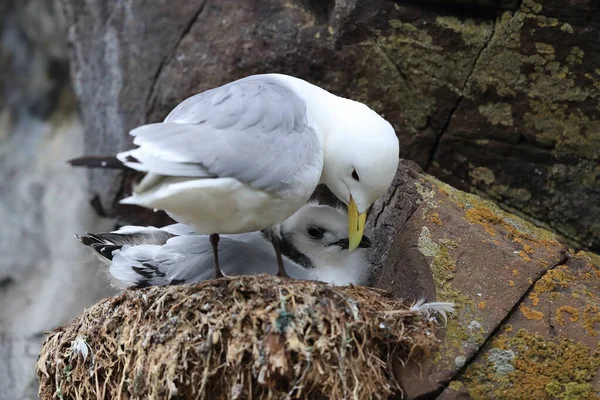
{"points": [[280, 267], [214, 240]]}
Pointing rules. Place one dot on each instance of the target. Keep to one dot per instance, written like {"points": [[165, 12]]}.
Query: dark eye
{"points": [[316, 233], [355, 175]]}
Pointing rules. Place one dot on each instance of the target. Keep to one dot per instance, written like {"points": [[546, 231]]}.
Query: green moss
{"points": [[423, 67], [531, 6], [518, 196], [470, 31], [458, 336], [482, 174], [566, 27], [497, 113], [554, 91]]}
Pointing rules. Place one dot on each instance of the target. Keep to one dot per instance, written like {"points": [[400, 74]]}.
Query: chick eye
{"points": [[316, 233], [355, 175]]}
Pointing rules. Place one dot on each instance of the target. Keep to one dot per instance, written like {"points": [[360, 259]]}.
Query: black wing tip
{"points": [[88, 239], [105, 250], [109, 162]]}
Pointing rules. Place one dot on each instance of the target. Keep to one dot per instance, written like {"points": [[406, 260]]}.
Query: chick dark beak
{"points": [[365, 243]]}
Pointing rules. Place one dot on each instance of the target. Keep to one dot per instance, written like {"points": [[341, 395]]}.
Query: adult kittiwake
{"points": [[314, 244], [245, 156]]}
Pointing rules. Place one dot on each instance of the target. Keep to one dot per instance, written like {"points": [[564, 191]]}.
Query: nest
{"points": [[249, 337]]}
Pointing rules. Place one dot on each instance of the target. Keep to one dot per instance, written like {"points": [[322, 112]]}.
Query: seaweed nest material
{"points": [[246, 337]]}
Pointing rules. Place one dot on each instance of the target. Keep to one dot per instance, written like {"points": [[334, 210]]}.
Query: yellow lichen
{"points": [[553, 278], [591, 316], [435, 218], [511, 283], [455, 385], [572, 311], [535, 299], [530, 314], [515, 272], [524, 256]]}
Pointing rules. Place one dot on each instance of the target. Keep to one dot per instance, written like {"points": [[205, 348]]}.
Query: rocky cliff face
{"points": [[499, 97]]}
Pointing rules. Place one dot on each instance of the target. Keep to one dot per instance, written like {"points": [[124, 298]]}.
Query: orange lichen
{"points": [[435, 218], [591, 316], [442, 191], [555, 295], [484, 217], [481, 305], [524, 256], [553, 278], [530, 314], [572, 311], [515, 272], [526, 248], [535, 299]]}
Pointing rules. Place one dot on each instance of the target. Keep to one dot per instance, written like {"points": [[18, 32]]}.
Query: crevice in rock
{"points": [[434, 394], [385, 206], [320, 9], [438, 139], [170, 56]]}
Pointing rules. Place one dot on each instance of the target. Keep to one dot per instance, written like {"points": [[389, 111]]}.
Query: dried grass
{"points": [[250, 337]]}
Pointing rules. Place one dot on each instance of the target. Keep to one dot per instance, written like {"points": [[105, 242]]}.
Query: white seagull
{"points": [[314, 244], [247, 155]]}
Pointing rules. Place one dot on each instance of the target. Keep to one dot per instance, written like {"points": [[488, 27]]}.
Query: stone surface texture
{"points": [[503, 273]]}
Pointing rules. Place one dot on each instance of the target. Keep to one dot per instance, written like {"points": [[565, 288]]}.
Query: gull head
{"points": [[361, 158], [320, 234]]}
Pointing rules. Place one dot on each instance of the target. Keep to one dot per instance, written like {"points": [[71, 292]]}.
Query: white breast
{"points": [[222, 205]]}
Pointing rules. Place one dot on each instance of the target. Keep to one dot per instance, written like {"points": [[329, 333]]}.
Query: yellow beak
{"points": [[356, 225]]}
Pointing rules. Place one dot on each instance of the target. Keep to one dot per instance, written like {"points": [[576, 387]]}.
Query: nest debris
{"points": [[247, 337]]}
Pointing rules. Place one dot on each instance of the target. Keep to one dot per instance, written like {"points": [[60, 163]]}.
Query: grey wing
{"points": [[243, 254], [189, 259], [254, 130]]}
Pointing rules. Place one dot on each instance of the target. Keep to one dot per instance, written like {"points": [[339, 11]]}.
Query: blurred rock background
{"points": [[45, 276], [496, 97]]}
